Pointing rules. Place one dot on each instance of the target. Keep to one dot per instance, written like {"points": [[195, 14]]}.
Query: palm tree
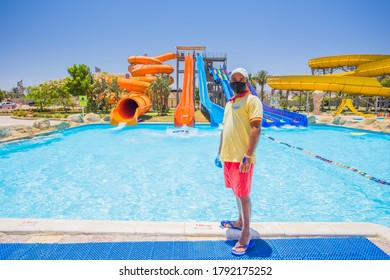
{"points": [[116, 89], [261, 79], [101, 89], [159, 91], [252, 80]]}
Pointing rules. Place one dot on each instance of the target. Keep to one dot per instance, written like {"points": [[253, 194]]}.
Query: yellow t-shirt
{"points": [[236, 126]]}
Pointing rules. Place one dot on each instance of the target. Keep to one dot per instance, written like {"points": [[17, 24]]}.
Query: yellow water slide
{"points": [[348, 103], [359, 81], [136, 103]]}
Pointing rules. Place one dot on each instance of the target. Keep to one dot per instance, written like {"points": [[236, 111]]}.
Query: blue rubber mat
{"points": [[352, 248]]}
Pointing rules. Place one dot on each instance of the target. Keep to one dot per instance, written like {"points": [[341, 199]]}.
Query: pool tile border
{"points": [[264, 229]]}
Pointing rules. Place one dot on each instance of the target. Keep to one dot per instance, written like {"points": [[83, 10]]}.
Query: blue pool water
{"points": [[152, 173]]}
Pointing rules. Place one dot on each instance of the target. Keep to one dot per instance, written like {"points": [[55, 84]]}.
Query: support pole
{"points": [[307, 102], [177, 77]]}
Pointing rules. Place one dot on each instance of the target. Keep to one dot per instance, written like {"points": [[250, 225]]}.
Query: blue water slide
{"points": [[215, 111], [272, 116], [267, 120], [284, 116], [227, 90], [221, 78]]}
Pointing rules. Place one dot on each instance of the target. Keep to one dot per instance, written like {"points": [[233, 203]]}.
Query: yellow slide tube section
{"points": [[358, 81], [347, 84], [344, 60], [185, 111], [136, 104]]}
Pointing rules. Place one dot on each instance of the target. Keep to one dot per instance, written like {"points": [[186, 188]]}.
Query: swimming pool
{"points": [[154, 173]]}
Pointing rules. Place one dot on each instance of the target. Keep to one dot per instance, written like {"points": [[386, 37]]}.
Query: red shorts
{"points": [[238, 181]]}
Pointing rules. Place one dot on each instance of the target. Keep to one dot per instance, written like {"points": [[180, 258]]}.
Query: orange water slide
{"points": [[185, 111], [142, 70], [136, 103]]}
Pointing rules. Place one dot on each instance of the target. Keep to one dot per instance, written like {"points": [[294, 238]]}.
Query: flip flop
{"points": [[229, 224], [246, 247]]}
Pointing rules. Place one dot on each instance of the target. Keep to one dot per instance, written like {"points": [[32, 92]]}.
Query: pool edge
{"points": [[191, 230]]}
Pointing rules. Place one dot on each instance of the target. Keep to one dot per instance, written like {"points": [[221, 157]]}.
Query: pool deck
{"points": [[84, 231]]}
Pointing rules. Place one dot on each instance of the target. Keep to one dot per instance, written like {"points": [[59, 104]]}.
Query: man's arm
{"points": [[220, 144], [254, 137], [253, 140]]}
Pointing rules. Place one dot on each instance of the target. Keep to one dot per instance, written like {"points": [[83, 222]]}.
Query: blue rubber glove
{"points": [[218, 162]]}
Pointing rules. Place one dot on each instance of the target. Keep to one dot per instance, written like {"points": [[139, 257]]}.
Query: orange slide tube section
{"points": [[136, 103], [185, 111]]}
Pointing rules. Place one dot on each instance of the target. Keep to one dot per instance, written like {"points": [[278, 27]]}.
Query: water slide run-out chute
{"points": [[136, 103], [271, 116], [348, 103], [215, 111], [279, 117], [129, 108], [184, 114]]}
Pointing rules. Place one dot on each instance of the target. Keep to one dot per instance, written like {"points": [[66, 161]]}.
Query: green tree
{"points": [[299, 99], [3, 95], [60, 93], [51, 93], [101, 89], [116, 89], [252, 80], [39, 94], [385, 82], [80, 83], [159, 91], [261, 79], [14, 92], [197, 96]]}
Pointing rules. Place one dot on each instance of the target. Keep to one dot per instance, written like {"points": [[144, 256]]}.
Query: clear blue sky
{"points": [[40, 39]]}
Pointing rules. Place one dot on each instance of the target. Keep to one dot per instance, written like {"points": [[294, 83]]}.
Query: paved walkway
{"points": [[7, 120]]}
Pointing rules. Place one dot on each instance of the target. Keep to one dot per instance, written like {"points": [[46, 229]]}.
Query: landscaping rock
{"points": [[5, 132], [92, 118], [369, 121], [106, 119], [76, 118], [61, 126], [15, 131], [342, 121], [336, 120], [311, 119], [350, 123], [42, 124], [21, 129], [382, 126]]}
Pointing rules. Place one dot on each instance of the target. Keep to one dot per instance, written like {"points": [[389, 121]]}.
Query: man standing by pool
{"points": [[241, 133]]}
